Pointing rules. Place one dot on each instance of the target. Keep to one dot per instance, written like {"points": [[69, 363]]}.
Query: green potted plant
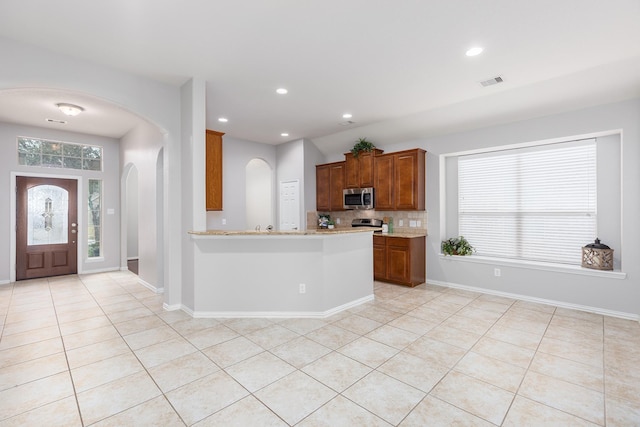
{"points": [[331, 224], [362, 145], [457, 246]]}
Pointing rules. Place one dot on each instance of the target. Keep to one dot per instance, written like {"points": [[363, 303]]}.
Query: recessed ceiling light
{"points": [[474, 51], [284, 134], [223, 119], [70, 109], [282, 91], [347, 115]]}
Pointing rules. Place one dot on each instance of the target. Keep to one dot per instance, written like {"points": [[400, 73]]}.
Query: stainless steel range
{"points": [[367, 222]]}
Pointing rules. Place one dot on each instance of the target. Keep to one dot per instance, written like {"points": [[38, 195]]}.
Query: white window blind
{"points": [[536, 203]]}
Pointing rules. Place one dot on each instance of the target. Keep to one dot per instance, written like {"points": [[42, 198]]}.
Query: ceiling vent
{"points": [[60, 122], [347, 123], [493, 81]]}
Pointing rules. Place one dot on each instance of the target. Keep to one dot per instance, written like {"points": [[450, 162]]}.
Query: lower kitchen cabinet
{"points": [[399, 259]]}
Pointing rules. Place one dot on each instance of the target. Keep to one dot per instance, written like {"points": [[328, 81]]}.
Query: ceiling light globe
{"points": [[70, 109]]}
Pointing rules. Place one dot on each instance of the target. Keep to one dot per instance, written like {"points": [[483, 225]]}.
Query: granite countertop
{"points": [[405, 234], [340, 230], [281, 233]]}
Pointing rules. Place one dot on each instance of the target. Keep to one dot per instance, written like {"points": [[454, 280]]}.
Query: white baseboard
{"points": [[174, 307], [99, 270], [269, 314], [150, 286], [597, 310], [5, 282]]}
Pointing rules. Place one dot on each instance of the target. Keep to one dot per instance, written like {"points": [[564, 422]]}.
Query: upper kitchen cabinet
{"points": [[359, 170], [330, 180], [213, 170], [399, 180]]}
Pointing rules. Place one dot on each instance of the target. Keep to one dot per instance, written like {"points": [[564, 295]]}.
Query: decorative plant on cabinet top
{"points": [[362, 145]]}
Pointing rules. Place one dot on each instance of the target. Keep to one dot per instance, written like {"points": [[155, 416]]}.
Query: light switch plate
{"points": [[111, 211]]}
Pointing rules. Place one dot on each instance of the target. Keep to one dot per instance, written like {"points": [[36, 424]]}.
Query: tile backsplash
{"points": [[345, 218]]}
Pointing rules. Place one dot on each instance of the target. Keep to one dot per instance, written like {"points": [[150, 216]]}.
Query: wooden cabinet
{"points": [[213, 170], [329, 185], [379, 257], [383, 182], [399, 260], [359, 170], [399, 180]]}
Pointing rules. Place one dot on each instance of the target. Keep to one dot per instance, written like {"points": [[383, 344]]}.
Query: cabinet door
{"points": [[383, 181], [398, 260], [351, 171], [406, 181], [379, 258], [323, 183], [213, 170], [365, 165], [336, 178]]}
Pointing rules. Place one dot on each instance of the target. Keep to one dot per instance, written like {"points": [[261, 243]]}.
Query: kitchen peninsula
{"points": [[311, 273]]}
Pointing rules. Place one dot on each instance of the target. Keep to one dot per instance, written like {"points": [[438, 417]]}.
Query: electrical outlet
{"points": [[338, 221], [400, 223], [303, 288], [412, 223], [224, 221], [496, 272]]}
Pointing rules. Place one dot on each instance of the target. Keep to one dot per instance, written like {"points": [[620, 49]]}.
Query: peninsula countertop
{"points": [[308, 232], [311, 232]]}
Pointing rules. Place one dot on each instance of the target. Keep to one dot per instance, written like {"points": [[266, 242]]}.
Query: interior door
{"points": [[289, 205], [46, 227]]}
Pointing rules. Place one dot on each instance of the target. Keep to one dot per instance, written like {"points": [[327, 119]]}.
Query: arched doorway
{"points": [[259, 194]]}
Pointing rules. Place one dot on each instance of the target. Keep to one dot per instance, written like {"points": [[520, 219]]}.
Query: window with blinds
{"points": [[536, 203]]}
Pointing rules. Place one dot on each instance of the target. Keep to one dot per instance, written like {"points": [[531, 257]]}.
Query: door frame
{"points": [[12, 222]]}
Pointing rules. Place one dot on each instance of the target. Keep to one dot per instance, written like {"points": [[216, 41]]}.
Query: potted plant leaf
{"points": [[457, 246], [362, 145]]}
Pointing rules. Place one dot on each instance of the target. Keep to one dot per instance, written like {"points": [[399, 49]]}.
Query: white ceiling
{"points": [[398, 66]]}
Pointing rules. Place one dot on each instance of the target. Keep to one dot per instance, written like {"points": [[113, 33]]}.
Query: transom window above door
{"points": [[57, 154]]}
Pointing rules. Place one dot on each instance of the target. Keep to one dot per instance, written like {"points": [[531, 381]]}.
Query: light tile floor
{"points": [[100, 350]]}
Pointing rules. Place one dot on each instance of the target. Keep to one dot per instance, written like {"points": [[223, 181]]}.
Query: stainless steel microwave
{"points": [[358, 198]]}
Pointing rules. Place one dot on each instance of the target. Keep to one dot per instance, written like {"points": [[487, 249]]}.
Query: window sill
{"points": [[535, 265], [94, 259]]}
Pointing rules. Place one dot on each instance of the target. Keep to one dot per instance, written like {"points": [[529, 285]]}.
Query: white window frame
{"points": [[535, 265]]}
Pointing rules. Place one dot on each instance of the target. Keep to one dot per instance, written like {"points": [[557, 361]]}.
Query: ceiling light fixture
{"points": [[284, 134], [70, 109], [474, 51], [223, 119], [282, 91], [347, 115]]}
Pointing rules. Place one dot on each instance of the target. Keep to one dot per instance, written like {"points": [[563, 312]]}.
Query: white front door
{"points": [[289, 205]]}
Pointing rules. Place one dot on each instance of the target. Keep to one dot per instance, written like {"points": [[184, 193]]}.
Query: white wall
{"points": [[312, 157], [291, 168], [620, 296], [109, 175], [140, 147], [237, 153], [132, 212]]}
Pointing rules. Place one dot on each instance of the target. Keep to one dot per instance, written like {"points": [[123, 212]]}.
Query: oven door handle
{"points": [[362, 199]]}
